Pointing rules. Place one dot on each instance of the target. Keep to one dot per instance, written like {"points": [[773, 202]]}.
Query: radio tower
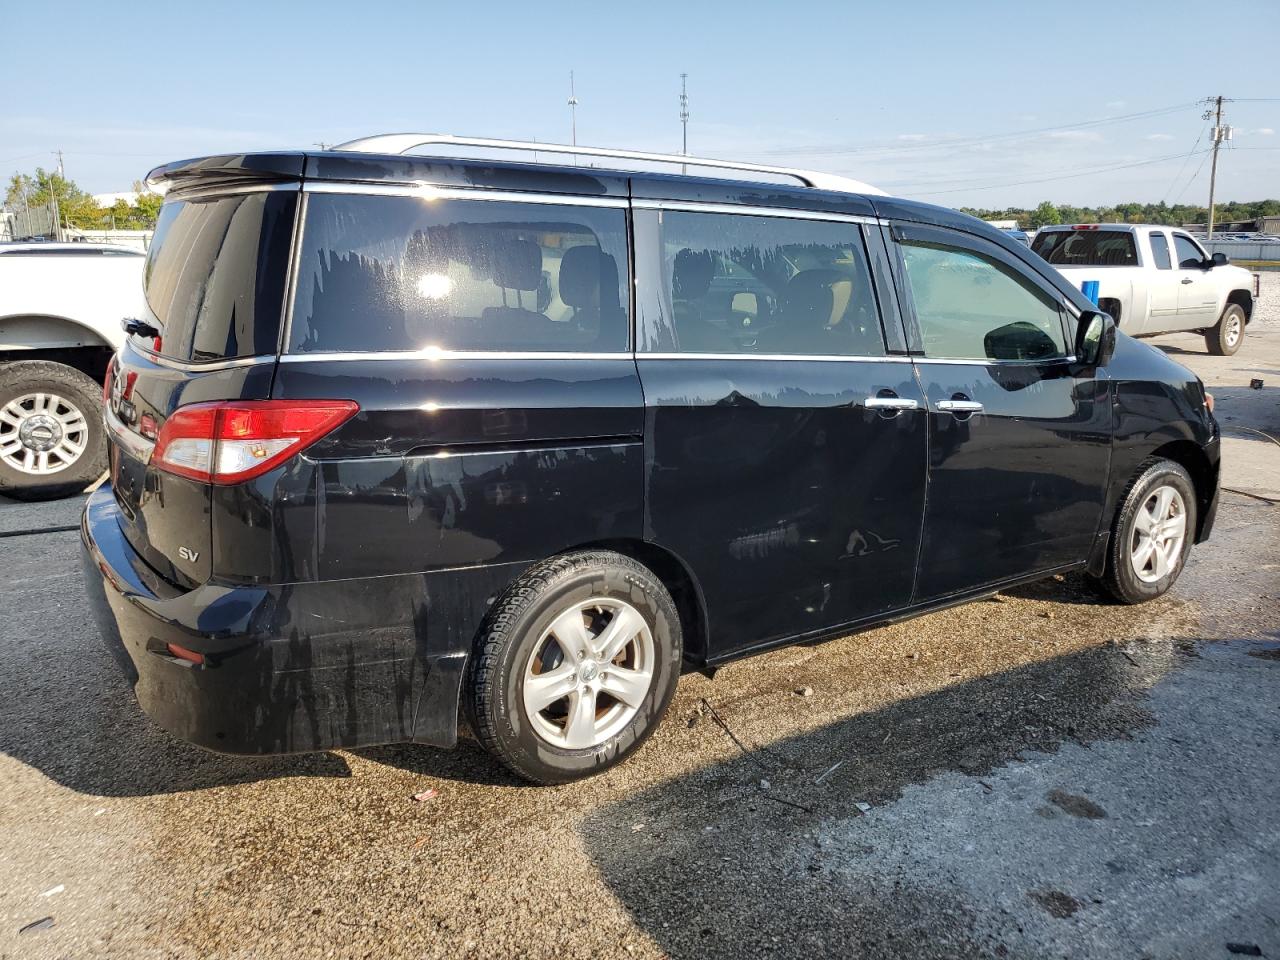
{"points": [[684, 117], [573, 112]]}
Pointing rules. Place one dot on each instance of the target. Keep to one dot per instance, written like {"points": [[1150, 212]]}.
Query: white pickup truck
{"points": [[1155, 280], [61, 307]]}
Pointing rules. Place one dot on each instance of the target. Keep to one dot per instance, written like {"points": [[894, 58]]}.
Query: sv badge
{"points": [[186, 553]]}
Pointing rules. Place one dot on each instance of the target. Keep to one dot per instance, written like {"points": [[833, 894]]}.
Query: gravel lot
{"points": [[1037, 775]]}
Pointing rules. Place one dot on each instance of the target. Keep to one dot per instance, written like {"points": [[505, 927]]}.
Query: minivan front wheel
{"points": [[574, 667], [1152, 534]]}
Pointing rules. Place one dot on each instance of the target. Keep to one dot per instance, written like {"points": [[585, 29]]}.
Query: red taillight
{"points": [[228, 442], [1085, 226], [182, 653], [107, 380]]}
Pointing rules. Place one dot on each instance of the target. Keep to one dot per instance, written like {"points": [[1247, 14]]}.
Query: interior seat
{"points": [[691, 275]]}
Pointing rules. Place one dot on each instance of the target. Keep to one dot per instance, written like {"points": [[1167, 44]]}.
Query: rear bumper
{"points": [[288, 667]]}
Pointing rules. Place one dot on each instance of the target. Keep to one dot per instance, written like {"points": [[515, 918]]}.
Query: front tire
{"points": [[574, 666], [1152, 533], [52, 442], [1225, 339]]}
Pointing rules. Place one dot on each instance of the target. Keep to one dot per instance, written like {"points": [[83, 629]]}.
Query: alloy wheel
{"points": [[1159, 531], [589, 673], [42, 433]]}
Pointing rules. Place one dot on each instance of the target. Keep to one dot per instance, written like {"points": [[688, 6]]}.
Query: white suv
{"points": [[61, 307], [1155, 279]]}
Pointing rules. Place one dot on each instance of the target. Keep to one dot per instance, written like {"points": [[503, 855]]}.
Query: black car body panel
{"points": [[335, 598]]}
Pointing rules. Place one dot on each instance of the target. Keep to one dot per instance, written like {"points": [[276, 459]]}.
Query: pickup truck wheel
{"points": [[52, 442], [574, 666], [1152, 533], [1225, 339]]}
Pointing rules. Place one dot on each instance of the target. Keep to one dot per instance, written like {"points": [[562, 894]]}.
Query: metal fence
{"points": [[1245, 250]]}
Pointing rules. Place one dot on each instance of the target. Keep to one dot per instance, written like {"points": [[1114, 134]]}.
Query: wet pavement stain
{"points": [[1076, 805], [1056, 903]]}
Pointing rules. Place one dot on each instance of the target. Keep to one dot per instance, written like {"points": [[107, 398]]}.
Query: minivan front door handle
{"points": [[1187, 280], [960, 406], [890, 403]]}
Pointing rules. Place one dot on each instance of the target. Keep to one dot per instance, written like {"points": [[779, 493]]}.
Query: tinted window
{"points": [[1160, 251], [215, 274], [407, 273], [1088, 248], [768, 285], [1189, 255], [970, 307]]}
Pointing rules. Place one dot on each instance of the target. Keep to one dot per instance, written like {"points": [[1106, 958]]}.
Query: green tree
{"points": [[1045, 215], [75, 207]]}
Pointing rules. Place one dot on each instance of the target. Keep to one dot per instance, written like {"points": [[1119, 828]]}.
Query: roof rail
{"points": [[400, 143]]}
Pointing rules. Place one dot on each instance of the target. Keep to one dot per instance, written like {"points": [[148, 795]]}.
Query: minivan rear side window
{"points": [[745, 284], [215, 274], [392, 273]]}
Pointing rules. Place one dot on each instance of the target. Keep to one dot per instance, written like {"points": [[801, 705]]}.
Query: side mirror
{"points": [[1218, 260], [1095, 338]]}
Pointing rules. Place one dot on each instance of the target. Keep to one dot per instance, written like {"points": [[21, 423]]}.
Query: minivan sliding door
{"points": [[784, 445]]}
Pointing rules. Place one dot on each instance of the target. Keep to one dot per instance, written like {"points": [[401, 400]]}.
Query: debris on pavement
{"points": [[804, 692], [54, 890], [425, 795], [830, 770], [764, 784], [863, 807], [1255, 383], [44, 923]]}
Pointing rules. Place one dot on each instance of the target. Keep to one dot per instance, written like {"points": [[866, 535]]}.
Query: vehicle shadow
{"points": [[717, 864], [1074, 588]]}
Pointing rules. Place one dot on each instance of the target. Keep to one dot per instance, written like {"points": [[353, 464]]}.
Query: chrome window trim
{"points": [[428, 191], [773, 357], [435, 355], [210, 192], [991, 363], [195, 366], [693, 206], [136, 445]]}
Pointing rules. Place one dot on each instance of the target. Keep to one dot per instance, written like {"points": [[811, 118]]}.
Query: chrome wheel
{"points": [[1233, 328], [1159, 531], [588, 673], [42, 433]]}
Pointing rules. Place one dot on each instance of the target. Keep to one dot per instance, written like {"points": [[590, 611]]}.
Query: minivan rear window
{"points": [[391, 273], [215, 274], [1087, 248]]}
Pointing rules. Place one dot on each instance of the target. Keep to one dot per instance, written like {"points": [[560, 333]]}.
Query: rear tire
{"points": [[52, 441], [1152, 533], [542, 678], [1225, 339]]}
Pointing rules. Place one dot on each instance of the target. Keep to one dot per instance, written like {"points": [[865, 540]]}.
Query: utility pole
{"points": [[684, 117], [1220, 133]]}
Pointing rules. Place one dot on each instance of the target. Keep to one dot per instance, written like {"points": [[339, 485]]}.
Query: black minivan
{"points": [[405, 439]]}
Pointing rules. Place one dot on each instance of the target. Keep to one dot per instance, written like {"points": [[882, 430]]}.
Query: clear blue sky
{"points": [[957, 103]]}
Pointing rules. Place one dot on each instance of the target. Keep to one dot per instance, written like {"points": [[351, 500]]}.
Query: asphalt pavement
{"points": [[1041, 774]]}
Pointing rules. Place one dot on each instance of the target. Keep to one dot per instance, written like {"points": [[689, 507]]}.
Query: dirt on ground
{"points": [[1039, 774]]}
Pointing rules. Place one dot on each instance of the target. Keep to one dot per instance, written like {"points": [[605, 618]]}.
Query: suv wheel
{"points": [[1152, 534], [1225, 339], [574, 666], [52, 442]]}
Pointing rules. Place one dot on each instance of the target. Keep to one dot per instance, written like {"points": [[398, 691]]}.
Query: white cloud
{"points": [[913, 137], [1263, 131], [1078, 136], [1157, 136], [1115, 104]]}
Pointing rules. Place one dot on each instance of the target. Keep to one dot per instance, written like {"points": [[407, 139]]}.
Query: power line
{"points": [[1178, 176], [1194, 177], [986, 138], [1070, 176]]}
